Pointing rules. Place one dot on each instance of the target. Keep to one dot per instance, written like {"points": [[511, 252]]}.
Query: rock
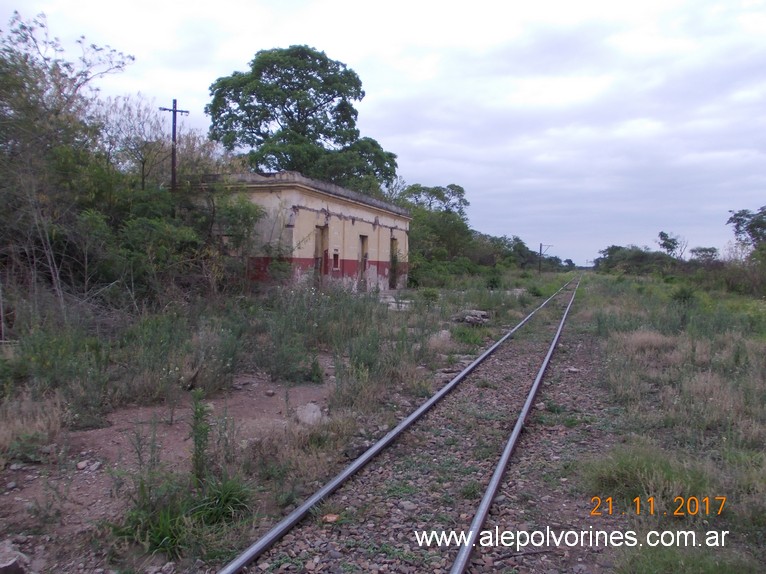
{"points": [[354, 451], [95, 466], [11, 486], [169, 568], [540, 406], [13, 566], [309, 414], [83, 464], [16, 466], [12, 561], [270, 392], [472, 317], [407, 505]]}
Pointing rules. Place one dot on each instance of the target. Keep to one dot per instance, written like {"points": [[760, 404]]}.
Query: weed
{"points": [[174, 513], [223, 500], [429, 296], [671, 560], [472, 490], [572, 421], [286, 497], [400, 489], [419, 388], [467, 335], [485, 384], [683, 295], [224, 448], [26, 425], [354, 387], [200, 431], [485, 450], [554, 408], [315, 373], [640, 468], [50, 506]]}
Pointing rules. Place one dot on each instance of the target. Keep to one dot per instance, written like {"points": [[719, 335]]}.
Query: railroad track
{"points": [[438, 470]]}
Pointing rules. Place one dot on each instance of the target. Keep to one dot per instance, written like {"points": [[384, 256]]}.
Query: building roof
{"points": [[293, 177]]}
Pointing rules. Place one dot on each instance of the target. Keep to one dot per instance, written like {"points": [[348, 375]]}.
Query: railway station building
{"points": [[325, 232]]}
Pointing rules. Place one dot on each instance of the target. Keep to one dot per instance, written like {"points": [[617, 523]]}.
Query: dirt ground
{"points": [[51, 512], [54, 513]]}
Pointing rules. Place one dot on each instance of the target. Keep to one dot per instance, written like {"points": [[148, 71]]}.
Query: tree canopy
{"points": [[749, 227], [672, 244], [86, 211], [294, 110]]}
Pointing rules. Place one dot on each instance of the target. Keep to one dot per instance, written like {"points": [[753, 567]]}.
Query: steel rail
{"points": [[464, 555], [287, 523]]}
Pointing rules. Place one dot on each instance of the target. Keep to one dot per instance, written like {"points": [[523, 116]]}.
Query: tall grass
{"points": [[690, 370]]}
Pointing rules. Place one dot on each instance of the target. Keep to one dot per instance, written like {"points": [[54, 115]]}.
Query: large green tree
{"points": [[294, 111]]}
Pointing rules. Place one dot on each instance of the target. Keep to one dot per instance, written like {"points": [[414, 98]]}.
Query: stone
{"points": [[11, 486], [270, 392], [309, 414], [12, 566], [83, 464], [472, 317], [95, 466], [407, 505], [12, 561]]}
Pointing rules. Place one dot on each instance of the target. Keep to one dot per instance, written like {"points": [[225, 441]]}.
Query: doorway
{"points": [[321, 252], [363, 257]]}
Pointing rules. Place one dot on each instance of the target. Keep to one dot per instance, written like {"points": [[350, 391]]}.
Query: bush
{"points": [[683, 295]]}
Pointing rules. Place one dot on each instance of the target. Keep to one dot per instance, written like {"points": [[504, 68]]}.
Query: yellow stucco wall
{"points": [[296, 207]]}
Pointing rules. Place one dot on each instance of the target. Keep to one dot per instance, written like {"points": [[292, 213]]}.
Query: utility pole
{"points": [[175, 111]]}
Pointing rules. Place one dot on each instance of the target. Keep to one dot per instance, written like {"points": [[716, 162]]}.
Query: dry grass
{"points": [[298, 455], [700, 385], [693, 383], [26, 423], [646, 342]]}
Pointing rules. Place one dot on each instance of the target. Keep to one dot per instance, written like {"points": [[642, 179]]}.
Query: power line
{"points": [[540, 258]]}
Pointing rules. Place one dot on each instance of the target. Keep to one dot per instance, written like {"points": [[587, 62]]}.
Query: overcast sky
{"points": [[573, 124]]}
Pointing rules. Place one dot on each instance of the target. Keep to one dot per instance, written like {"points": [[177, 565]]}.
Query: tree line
{"points": [[84, 180], [742, 270]]}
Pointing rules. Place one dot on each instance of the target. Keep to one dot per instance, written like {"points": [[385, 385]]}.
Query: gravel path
{"points": [[435, 475]]}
